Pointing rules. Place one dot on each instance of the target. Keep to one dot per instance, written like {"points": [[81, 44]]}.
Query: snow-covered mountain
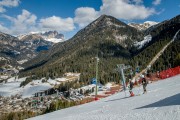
{"points": [[160, 103], [51, 36], [23, 48], [143, 26]]}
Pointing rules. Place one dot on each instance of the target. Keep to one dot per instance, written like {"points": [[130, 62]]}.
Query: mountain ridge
{"points": [[51, 36], [143, 26], [112, 40], [22, 48]]}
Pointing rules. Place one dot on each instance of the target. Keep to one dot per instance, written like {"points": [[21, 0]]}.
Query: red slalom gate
{"points": [[170, 72]]}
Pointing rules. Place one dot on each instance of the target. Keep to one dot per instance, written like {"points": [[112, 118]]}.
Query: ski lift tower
{"points": [[121, 68], [97, 61]]}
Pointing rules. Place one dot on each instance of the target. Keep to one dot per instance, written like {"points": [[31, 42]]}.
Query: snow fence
{"points": [[169, 72]]}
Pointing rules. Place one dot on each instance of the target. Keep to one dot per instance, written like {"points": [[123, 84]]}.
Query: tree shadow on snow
{"points": [[173, 100]]}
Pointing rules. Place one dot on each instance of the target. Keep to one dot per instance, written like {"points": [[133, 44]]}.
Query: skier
{"points": [[144, 83], [130, 88]]}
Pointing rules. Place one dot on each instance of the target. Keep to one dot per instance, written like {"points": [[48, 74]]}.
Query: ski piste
{"points": [[160, 103], [155, 57]]}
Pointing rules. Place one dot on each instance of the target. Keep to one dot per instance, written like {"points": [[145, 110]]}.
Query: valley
{"points": [[43, 72]]}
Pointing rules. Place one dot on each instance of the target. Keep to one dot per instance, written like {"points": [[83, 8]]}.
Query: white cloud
{"points": [[23, 23], [121, 9], [8, 3], [27, 22], [4, 29], [57, 23], [156, 2], [2, 9], [137, 1], [124, 9], [85, 15]]}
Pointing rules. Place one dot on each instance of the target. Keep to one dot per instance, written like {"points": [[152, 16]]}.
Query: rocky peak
{"points": [[101, 24], [143, 26], [6, 37], [107, 21], [31, 37], [50, 34], [53, 34]]}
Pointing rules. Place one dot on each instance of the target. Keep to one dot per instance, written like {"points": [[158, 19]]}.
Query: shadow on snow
{"points": [[173, 100], [117, 99]]}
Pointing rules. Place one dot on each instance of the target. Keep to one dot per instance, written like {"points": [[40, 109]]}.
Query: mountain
{"points": [[22, 48], [155, 38], [51, 36], [108, 37], [17, 51], [163, 31], [143, 26], [114, 42], [8, 49]]}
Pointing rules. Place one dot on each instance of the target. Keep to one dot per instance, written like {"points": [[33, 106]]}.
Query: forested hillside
{"points": [[100, 38]]}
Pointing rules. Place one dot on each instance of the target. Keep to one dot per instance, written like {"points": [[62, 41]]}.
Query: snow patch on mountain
{"points": [[54, 40], [51, 36], [22, 61], [110, 23], [120, 38], [2, 58], [143, 26], [146, 40], [151, 23], [21, 36]]}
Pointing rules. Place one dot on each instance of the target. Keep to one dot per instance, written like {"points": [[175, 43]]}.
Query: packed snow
{"points": [[140, 44], [162, 102]]}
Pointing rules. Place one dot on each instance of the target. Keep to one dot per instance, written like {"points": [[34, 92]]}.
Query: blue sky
{"points": [[69, 16]]}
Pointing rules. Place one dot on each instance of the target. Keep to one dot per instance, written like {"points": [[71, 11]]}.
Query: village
{"points": [[38, 95]]}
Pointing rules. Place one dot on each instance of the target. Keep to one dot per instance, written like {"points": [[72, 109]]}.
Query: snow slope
{"points": [[162, 102], [54, 40], [29, 90], [12, 87], [146, 39], [151, 23], [143, 26]]}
